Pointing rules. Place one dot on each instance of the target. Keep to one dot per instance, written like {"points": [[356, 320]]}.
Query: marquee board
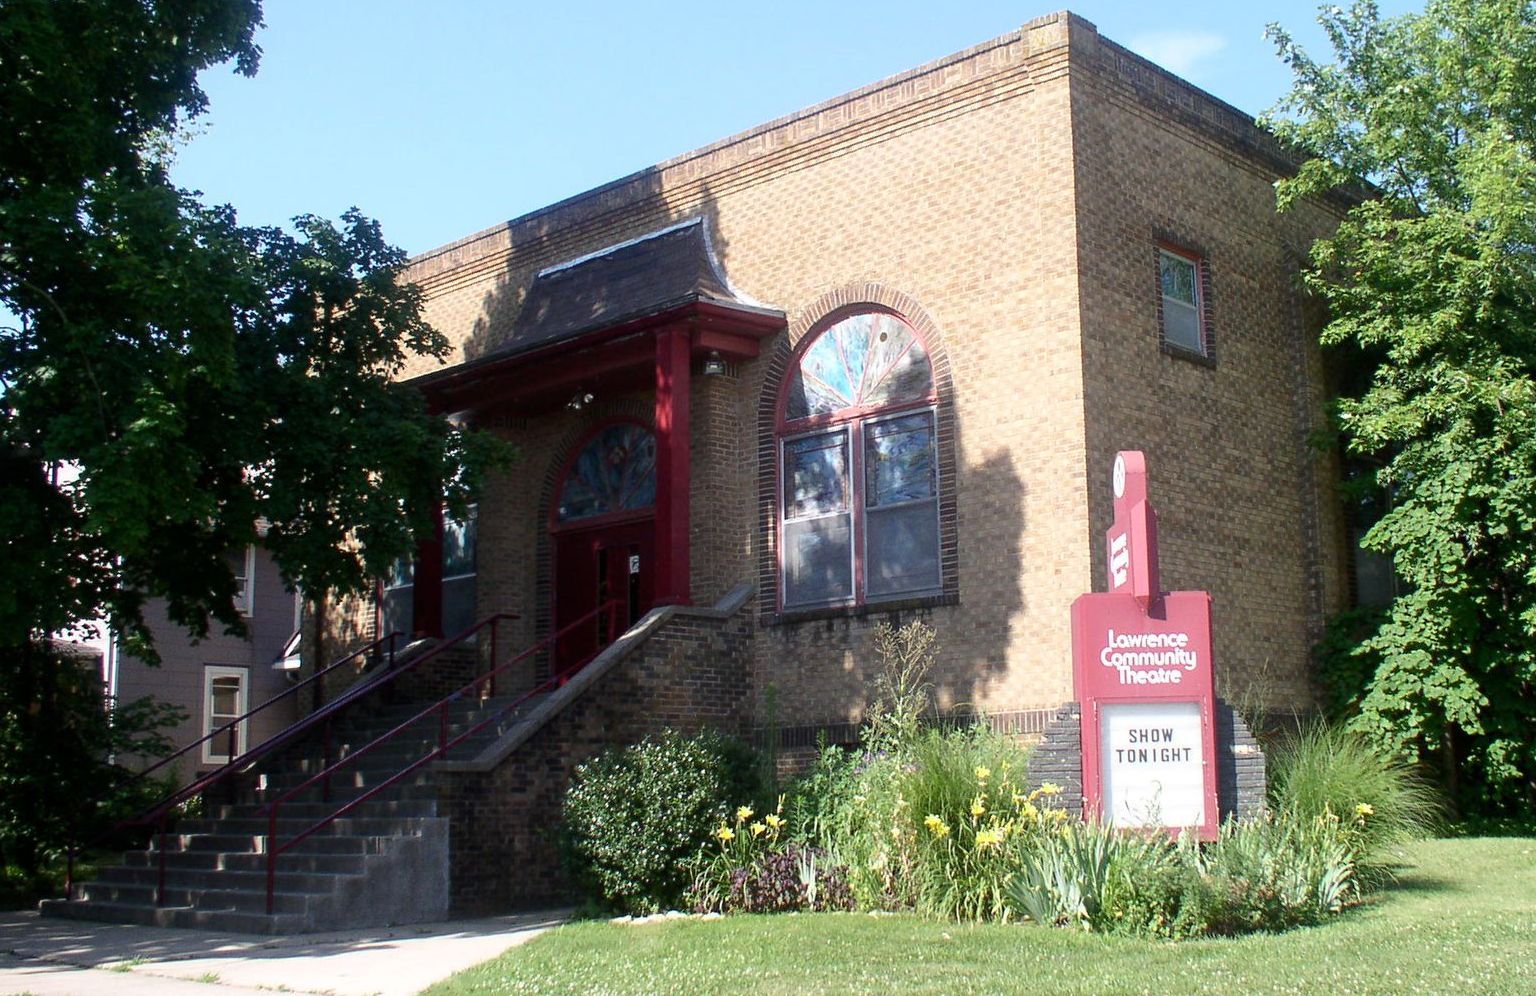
{"points": [[1144, 674]]}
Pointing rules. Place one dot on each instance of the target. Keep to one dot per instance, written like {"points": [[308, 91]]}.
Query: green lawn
{"points": [[1462, 919]]}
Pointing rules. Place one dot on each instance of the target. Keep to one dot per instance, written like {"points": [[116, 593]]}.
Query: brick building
{"points": [[1071, 252], [866, 363]]}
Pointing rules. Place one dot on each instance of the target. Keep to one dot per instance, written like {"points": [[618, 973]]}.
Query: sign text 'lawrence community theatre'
{"points": [[1143, 670]]}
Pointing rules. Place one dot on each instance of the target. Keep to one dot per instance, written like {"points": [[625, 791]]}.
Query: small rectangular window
{"points": [[226, 698], [243, 564], [1183, 321], [459, 541], [399, 598]]}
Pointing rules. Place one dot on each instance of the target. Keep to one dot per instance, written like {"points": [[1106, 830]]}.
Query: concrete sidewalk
{"points": [[53, 957]]}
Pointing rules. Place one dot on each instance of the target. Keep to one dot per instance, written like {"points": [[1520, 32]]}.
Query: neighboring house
{"points": [[874, 359], [221, 678]]}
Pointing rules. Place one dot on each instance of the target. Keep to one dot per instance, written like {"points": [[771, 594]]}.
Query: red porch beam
{"points": [[672, 469]]}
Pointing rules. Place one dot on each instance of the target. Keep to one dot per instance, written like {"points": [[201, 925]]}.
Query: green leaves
{"points": [[197, 375], [1433, 282]]}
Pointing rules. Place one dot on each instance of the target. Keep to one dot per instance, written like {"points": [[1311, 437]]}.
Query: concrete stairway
{"points": [[385, 862]]}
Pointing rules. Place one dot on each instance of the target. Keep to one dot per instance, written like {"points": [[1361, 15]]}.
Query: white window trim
{"points": [[246, 603], [213, 748], [850, 499]]}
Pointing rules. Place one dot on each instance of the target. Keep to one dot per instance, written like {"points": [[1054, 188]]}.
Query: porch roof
{"points": [[581, 320]]}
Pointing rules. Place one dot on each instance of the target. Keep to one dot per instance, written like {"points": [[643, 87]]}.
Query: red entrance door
{"points": [[593, 566]]}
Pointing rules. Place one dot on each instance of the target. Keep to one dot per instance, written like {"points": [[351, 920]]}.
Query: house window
{"points": [[459, 540], [459, 569], [398, 613], [243, 564], [858, 458], [226, 697], [1183, 306]]}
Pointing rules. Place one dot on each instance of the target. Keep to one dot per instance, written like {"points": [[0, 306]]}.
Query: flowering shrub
{"points": [[934, 822], [635, 818], [755, 868], [1274, 874]]}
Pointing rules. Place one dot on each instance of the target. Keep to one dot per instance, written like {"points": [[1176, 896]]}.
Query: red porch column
{"points": [[672, 441], [427, 595]]}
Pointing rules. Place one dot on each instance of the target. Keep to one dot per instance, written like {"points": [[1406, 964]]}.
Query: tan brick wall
{"points": [[1244, 505], [1006, 199]]}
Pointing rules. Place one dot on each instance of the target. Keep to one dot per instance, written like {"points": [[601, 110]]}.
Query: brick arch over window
{"points": [[812, 321], [637, 410]]}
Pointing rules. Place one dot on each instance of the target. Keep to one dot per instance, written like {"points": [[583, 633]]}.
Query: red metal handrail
{"points": [[231, 726], [325, 714], [156, 812], [444, 744]]}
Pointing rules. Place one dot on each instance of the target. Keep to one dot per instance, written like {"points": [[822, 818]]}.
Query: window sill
{"points": [[791, 616], [1189, 355]]}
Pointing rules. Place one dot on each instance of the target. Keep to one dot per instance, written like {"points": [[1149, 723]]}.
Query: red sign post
{"points": [[1143, 669]]}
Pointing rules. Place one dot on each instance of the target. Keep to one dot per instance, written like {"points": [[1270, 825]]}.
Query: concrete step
{"points": [[238, 843], [246, 861], [308, 807], [287, 826], [195, 896], [286, 879], [233, 921]]}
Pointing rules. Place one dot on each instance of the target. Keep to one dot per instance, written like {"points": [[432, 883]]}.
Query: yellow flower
{"points": [[978, 806], [983, 773], [725, 833], [1365, 809], [990, 838], [743, 814], [758, 829], [1050, 788], [772, 819], [936, 825]]}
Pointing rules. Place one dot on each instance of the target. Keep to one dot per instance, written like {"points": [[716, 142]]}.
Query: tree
{"points": [[200, 375], [1432, 282]]}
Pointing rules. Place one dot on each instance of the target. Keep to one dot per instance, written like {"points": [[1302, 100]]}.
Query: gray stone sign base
{"points": [[1240, 781]]}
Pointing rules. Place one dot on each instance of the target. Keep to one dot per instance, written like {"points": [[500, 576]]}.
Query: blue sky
{"points": [[444, 117]]}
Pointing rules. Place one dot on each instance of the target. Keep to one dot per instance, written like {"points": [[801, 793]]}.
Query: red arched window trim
{"points": [[569, 463], [853, 420]]}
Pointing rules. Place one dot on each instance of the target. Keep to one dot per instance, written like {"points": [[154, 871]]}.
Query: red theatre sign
{"points": [[1142, 665]]}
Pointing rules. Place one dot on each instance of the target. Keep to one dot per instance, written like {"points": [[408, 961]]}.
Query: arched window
{"points": [[858, 466], [614, 472]]}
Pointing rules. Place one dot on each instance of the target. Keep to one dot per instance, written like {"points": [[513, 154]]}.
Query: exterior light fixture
{"points": [[714, 366], [579, 400]]}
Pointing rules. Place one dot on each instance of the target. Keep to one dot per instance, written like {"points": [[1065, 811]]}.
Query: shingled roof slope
{"points": [[647, 276]]}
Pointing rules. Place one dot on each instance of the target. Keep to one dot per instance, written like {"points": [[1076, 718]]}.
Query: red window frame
{"points": [[851, 421], [1202, 324]]}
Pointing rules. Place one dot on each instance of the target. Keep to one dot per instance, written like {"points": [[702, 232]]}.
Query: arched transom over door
{"points": [[602, 528]]}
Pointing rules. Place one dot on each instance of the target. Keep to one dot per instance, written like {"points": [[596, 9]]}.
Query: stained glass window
{"points": [[868, 359], [615, 472], [859, 516]]}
